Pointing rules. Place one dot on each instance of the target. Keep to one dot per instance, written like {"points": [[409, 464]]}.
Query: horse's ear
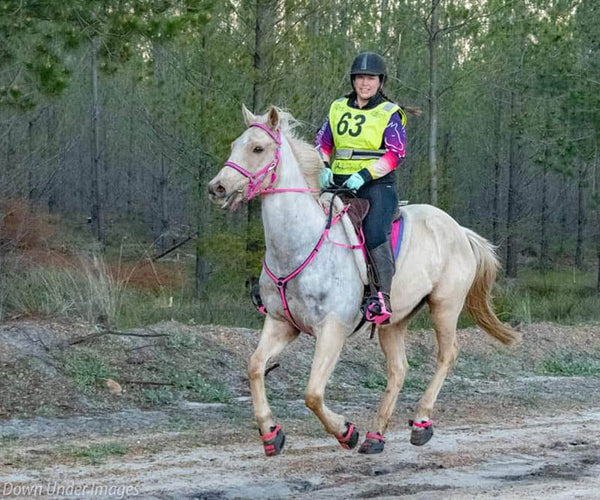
{"points": [[248, 116], [273, 118]]}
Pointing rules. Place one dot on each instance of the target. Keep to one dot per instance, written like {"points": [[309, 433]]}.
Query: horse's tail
{"points": [[479, 298]]}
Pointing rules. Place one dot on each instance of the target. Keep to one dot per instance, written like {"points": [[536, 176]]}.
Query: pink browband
{"points": [[256, 180]]}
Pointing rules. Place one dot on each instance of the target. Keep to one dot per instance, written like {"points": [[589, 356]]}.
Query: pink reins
{"points": [[281, 283], [255, 182]]}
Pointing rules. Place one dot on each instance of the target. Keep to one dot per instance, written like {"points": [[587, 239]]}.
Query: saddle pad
{"points": [[397, 234]]}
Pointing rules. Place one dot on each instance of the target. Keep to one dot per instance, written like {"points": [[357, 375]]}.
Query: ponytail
{"points": [[411, 110]]}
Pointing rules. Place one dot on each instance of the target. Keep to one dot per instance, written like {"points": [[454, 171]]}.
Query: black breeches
{"points": [[383, 201]]}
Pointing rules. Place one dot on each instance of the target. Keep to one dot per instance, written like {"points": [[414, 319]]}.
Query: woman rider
{"points": [[367, 132]]}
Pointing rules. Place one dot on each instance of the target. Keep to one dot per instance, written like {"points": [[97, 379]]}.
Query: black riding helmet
{"points": [[368, 63]]}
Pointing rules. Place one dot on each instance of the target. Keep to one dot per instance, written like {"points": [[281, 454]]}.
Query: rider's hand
{"points": [[357, 180], [326, 177]]}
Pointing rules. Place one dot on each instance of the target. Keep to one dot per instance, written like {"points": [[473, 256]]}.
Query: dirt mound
{"points": [[171, 363]]}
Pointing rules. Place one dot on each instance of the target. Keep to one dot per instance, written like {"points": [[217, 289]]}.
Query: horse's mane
{"points": [[308, 158]]}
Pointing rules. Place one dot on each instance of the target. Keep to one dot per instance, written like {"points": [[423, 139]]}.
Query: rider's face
{"points": [[366, 86]]}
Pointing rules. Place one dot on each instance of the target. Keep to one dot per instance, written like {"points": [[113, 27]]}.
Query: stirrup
{"points": [[376, 310]]}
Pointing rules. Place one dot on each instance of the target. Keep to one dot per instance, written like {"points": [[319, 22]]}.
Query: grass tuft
{"points": [[88, 370], [571, 364]]}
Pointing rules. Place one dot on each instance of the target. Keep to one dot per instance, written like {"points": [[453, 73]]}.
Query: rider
{"points": [[366, 130]]}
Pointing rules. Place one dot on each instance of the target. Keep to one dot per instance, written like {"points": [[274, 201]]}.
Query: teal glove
{"points": [[355, 182], [326, 178]]}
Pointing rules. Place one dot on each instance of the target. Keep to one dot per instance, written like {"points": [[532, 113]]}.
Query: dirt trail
{"points": [[505, 427], [552, 457]]}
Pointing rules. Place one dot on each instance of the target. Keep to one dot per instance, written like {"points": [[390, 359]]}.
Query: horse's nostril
{"points": [[217, 189]]}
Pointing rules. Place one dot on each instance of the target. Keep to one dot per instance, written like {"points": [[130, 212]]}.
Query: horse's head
{"points": [[252, 162]]}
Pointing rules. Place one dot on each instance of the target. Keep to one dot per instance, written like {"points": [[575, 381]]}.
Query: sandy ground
{"points": [[499, 432], [554, 456]]}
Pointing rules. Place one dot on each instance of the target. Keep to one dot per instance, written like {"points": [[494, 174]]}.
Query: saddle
{"points": [[358, 209]]}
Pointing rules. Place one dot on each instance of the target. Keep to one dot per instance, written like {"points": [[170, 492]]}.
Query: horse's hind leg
{"points": [[445, 316], [391, 339], [330, 340], [274, 337]]}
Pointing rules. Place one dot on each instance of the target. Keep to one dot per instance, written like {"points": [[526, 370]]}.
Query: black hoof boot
{"points": [[373, 443], [421, 433], [350, 439], [273, 441]]}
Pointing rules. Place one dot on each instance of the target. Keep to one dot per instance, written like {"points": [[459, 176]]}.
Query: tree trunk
{"points": [[96, 215], [596, 205], [544, 252], [511, 221], [581, 215], [264, 11], [202, 226], [130, 157], [433, 101], [163, 167], [497, 156]]}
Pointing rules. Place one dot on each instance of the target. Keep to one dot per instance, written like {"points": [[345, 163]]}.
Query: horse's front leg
{"points": [[330, 340], [274, 337]]}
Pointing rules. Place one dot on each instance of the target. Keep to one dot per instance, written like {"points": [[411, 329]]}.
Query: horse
{"points": [[313, 279]]}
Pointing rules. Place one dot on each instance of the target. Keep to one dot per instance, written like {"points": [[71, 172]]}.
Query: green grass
{"points": [[159, 397], [87, 293], [96, 454], [88, 370], [562, 296], [571, 364]]}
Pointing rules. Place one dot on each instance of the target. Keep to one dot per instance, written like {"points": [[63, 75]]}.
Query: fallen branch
{"points": [[173, 248], [146, 382], [271, 368]]}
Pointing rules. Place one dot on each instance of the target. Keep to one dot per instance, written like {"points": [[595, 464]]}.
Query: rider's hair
{"points": [[411, 110]]}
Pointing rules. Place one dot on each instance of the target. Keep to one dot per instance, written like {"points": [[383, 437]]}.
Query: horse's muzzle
{"points": [[216, 190]]}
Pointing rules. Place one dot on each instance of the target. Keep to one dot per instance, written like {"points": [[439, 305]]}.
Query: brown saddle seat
{"points": [[358, 209]]}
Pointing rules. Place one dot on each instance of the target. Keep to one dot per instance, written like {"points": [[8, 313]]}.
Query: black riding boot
{"points": [[378, 307]]}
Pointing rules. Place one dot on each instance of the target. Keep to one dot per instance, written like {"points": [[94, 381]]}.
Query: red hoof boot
{"points": [[421, 433], [350, 439], [273, 441], [373, 443]]}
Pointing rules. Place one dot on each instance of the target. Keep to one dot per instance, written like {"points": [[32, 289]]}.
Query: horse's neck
{"points": [[292, 221]]}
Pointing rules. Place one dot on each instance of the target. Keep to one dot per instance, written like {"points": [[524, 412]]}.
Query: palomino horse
{"points": [[313, 282]]}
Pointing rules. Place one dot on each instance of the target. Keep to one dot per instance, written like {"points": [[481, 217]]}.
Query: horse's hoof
{"points": [[273, 441], [421, 433], [350, 439], [373, 443]]}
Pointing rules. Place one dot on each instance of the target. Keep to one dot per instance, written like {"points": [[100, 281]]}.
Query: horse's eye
{"points": [[257, 149]]}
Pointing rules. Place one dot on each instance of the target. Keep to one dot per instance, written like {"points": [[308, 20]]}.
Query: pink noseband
{"points": [[255, 180]]}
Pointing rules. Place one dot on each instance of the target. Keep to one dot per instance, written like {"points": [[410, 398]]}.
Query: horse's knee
{"points": [[255, 368], [313, 400]]}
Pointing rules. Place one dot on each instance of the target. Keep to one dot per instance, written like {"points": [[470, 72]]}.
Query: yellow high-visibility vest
{"points": [[358, 134]]}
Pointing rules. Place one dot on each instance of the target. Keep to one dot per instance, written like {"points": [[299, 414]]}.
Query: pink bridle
{"points": [[255, 182]]}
